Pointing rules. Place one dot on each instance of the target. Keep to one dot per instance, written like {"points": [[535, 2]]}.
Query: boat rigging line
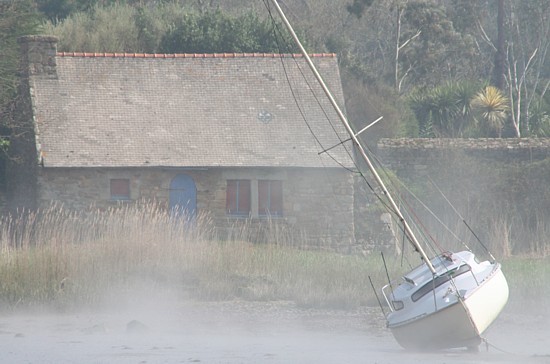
{"points": [[377, 298], [422, 229], [356, 141], [427, 208], [387, 273], [460, 287], [406, 229], [278, 36], [349, 139], [463, 220]]}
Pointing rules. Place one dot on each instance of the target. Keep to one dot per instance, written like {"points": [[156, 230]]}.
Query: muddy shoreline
{"points": [[246, 332]]}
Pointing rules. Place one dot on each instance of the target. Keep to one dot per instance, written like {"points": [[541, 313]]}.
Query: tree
{"points": [[474, 20], [399, 45], [116, 28], [527, 75], [167, 28], [358, 7], [17, 18], [439, 54], [517, 33], [57, 10], [499, 69], [418, 40], [215, 32], [102, 29]]}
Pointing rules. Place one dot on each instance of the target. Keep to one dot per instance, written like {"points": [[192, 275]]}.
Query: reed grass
{"points": [[66, 260], [528, 277]]}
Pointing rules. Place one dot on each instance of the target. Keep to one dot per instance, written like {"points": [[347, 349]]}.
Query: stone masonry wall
{"points": [[416, 154], [488, 180], [38, 54], [37, 59], [318, 205]]}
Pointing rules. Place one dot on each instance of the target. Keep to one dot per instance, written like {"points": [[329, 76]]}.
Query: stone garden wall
{"points": [[414, 155], [487, 180]]}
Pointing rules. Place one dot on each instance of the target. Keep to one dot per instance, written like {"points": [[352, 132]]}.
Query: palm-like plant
{"points": [[491, 107], [539, 119], [421, 107], [464, 93], [445, 109]]}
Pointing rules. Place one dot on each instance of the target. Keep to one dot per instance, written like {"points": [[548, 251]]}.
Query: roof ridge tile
{"points": [[191, 55]]}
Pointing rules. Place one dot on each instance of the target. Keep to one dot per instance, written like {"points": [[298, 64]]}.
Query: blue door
{"points": [[183, 196]]}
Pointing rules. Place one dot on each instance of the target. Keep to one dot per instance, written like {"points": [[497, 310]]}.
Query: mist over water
{"points": [[140, 276], [156, 325]]}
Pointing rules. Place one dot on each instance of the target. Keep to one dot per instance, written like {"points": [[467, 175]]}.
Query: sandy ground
{"points": [[243, 332]]}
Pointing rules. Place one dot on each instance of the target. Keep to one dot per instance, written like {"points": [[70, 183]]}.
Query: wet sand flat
{"points": [[246, 332]]}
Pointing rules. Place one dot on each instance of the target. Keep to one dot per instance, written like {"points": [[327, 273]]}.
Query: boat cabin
{"points": [[422, 283]]}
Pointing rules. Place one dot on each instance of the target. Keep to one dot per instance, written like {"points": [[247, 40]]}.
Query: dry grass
{"points": [[509, 235], [67, 259], [527, 277]]}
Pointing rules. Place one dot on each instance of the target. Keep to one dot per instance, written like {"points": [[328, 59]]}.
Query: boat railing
{"points": [[387, 292]]}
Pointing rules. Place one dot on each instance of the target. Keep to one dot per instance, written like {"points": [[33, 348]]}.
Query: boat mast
{"points": [[355, 139]]}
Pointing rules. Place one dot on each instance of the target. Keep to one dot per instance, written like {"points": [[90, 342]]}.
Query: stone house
{"points": [[236, 136]]}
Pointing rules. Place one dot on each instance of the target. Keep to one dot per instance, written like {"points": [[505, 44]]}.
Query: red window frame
{"points": [[237, 202], [120, 189], [270, 198]]}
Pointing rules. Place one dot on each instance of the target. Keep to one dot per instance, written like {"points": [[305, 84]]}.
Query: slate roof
{"points": [[195, 110]]}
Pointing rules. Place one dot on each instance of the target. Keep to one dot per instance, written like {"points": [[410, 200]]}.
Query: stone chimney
{"points": [[37, 59], [38, 55]]}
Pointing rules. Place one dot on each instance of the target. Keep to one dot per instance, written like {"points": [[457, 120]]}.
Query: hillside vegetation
{"points": [[424, 65]]}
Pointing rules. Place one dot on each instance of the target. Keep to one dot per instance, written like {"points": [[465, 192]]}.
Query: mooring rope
{"points": [[490, 345]]}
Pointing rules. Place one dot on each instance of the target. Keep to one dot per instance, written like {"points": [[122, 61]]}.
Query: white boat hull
{"points": [[460, 324], [485, 303], [446, 328]]}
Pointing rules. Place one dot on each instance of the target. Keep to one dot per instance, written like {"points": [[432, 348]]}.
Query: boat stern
{"points": [[487, 301]]}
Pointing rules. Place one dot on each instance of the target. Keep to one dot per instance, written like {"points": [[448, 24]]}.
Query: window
{"points": [[270, 198], [120, 189], [254, 198], [438, 281], [238, 197]]}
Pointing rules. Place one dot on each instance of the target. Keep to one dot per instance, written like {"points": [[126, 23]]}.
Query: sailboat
{"points": [[449, 300]]}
